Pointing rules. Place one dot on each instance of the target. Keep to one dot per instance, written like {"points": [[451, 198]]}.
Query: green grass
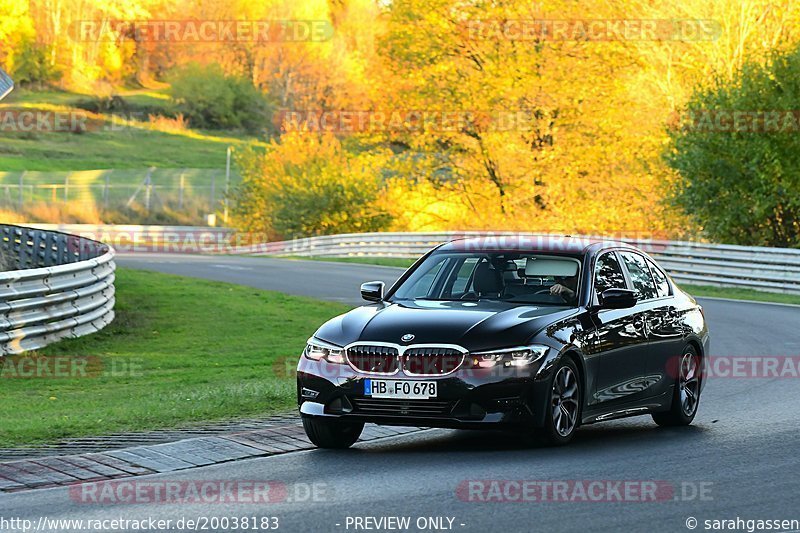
{"points": [[20, 96], [147, 97], [97, 151], [113, 150], [694, 290], [740, 294], [107, 145], [200, 351], [135, 98], [128, 148]]}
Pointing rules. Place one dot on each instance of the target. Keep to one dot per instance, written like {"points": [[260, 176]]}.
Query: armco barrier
{"points": [[141, 238], [62, 286], [751, 267]]}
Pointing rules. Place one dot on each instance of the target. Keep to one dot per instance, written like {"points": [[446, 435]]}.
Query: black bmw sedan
{"points": [[537, 335]]}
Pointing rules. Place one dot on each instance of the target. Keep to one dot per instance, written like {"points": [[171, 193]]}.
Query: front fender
{"points": [[543, 380]]}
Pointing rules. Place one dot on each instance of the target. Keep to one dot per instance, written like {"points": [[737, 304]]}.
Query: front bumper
{"points": [[468, 398]]}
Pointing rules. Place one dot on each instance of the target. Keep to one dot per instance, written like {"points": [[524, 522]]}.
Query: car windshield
{"points": [[533, 278]]}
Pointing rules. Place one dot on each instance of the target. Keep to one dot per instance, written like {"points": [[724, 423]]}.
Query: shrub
{"points": [[309, 184], [32, 66], [742, 186], [209, 98]]}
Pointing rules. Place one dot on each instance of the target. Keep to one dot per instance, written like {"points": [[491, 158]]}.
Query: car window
{"points": [[640, 275], [508, 276], [464, 275], [608, 273], [422, 286], [662, 285]]}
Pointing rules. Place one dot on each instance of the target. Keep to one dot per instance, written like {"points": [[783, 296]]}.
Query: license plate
{"points": [[403, 389]]}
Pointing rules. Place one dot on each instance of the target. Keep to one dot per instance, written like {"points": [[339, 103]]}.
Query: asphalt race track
{"points": [[738, 460]]}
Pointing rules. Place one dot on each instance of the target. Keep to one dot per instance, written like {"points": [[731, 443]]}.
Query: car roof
{"points": [[531, 243]]}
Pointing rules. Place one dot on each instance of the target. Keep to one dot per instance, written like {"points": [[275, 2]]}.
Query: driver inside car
{"points": [[565, 287]]}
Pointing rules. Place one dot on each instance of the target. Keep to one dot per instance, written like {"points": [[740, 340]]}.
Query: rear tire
{"points": [[332, 432], [686, 393], [564, 406]]}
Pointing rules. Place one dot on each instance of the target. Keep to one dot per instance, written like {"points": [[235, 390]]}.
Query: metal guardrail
{"points": [[145, 238], [760, 268], [751, 267], [62, 286]]}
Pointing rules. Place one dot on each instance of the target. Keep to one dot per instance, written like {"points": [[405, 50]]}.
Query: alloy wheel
{"points": [[564, 401], [689, 384]]}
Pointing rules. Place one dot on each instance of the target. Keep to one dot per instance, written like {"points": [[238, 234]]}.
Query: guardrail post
{"points": [[148, 189], [180, 191], [106, 187], [227, 184], [213, 192], [22, 189]]}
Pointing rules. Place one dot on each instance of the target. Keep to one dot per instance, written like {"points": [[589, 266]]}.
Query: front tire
{"points": [[686, 393], [563, 409], [332, 432]]}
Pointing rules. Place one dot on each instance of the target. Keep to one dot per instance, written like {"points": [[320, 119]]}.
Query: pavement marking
{"points": [[230, 267]]}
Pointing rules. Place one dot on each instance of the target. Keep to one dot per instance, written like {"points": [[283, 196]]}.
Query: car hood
{"points": [[473, 325]]}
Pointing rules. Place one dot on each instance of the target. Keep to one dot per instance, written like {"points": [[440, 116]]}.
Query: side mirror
{"points": [[372, 291], [618, 299]]}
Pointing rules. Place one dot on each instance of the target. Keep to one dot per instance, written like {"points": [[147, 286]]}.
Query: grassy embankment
{"points": [[180, 351], [118, 146]]}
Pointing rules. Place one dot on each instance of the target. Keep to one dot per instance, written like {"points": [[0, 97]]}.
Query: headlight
{"points": [[521, 356], [317, 350]]}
